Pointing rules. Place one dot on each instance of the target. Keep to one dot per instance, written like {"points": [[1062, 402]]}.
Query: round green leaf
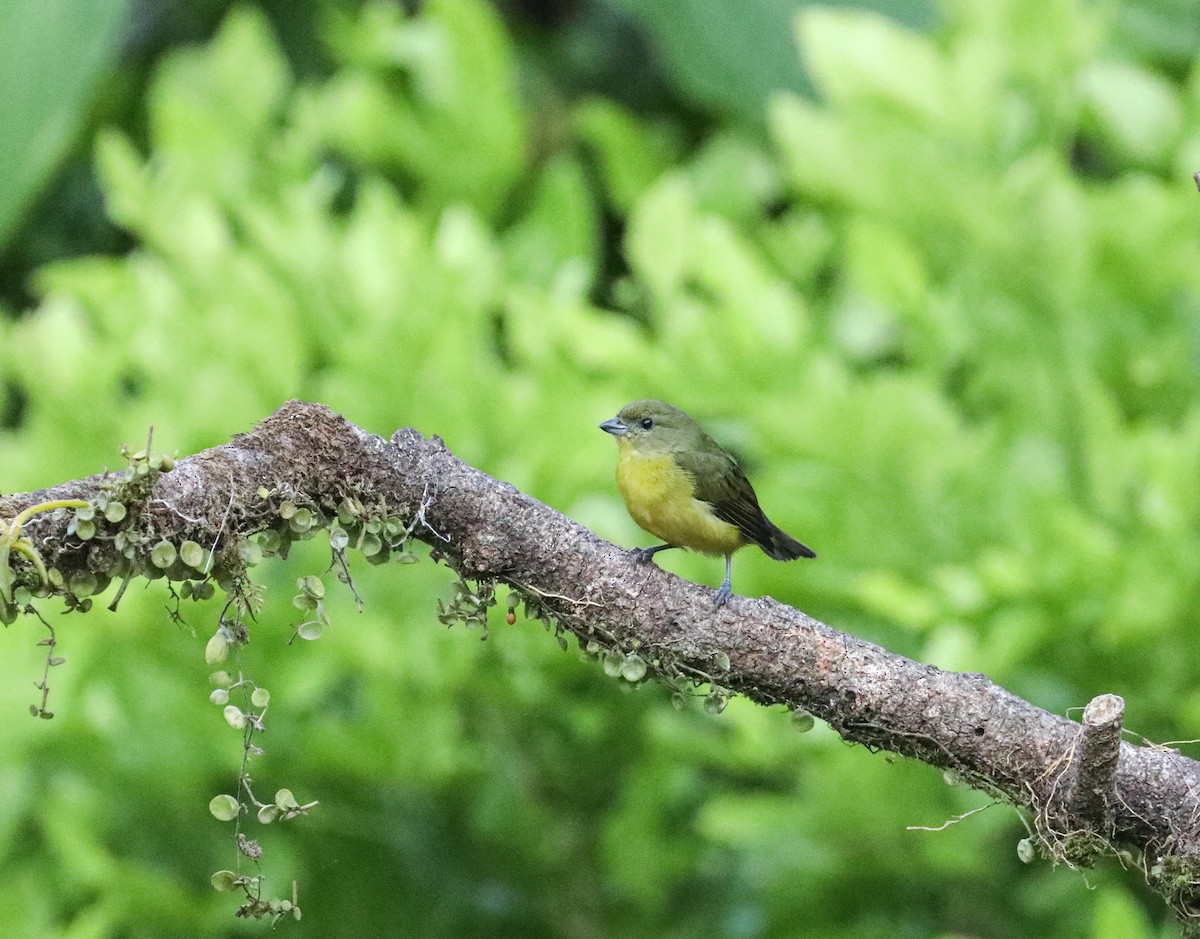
{"points": [[633, 668], [224, 881], [163, 554], [217, 650], [313, 586], [224, 808], [192, 554], [310, 630]]}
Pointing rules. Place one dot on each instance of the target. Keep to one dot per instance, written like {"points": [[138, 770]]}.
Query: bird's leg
{"points": [[725, 591], [643, 555]]}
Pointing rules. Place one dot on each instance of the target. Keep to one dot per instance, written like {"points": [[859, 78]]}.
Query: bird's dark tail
{"points": [[783, 547]]}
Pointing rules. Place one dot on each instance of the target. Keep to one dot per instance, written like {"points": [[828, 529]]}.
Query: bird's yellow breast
{"points": [[659, 496]]}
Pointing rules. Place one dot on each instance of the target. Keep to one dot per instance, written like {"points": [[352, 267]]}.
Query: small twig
{"points": [[212, 551], [912, 735], [426, 502], [1138, 815], [40, 710], [120, 593], [557, 596], [1169, 744], [695, 673], [952, 821], [165, 504], [338, 560]]}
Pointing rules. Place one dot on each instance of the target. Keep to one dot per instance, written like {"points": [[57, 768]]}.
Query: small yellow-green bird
{"points": [[683, 487]]}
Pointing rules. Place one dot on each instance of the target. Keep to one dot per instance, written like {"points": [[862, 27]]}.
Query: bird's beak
{"points": [[614, 426]]}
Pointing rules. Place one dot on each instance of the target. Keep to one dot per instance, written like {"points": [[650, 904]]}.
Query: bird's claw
{"points": [[643, 555], [724, 592]]}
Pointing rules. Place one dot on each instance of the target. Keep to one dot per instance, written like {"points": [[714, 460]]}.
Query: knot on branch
{"points": [[1091, 794], [1076, 819]]}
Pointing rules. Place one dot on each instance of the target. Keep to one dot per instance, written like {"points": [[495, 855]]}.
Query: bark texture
{"points": [[1089, 793]]}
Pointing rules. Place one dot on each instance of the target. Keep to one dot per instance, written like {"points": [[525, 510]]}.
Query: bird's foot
{"points": [[644, 555], [725, 591]]}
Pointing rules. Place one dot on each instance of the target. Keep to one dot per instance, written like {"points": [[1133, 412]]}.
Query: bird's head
{"points": [[653, 426]]}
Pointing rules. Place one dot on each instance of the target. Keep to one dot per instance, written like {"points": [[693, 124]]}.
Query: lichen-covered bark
{"points": [[776, 655]]}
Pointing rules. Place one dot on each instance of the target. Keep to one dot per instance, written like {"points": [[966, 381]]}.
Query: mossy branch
{"points": [[1133, 799]]}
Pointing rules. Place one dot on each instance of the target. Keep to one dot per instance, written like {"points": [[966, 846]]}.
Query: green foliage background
{"points": [[946, 308]]}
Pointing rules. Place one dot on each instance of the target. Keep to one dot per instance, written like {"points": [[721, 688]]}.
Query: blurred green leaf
{"points": [[729, 58], [556, 241], [724, 57], [1163, 31], [631, 153], [1135, 111], [56, 54], [456, 123], [1118, 915], [855, 56]]}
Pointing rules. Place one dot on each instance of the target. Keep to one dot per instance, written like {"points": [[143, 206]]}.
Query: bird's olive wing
{"points": [[720, 482]]}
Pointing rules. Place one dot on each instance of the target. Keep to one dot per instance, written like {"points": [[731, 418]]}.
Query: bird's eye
{"points": [[646, 423]]}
